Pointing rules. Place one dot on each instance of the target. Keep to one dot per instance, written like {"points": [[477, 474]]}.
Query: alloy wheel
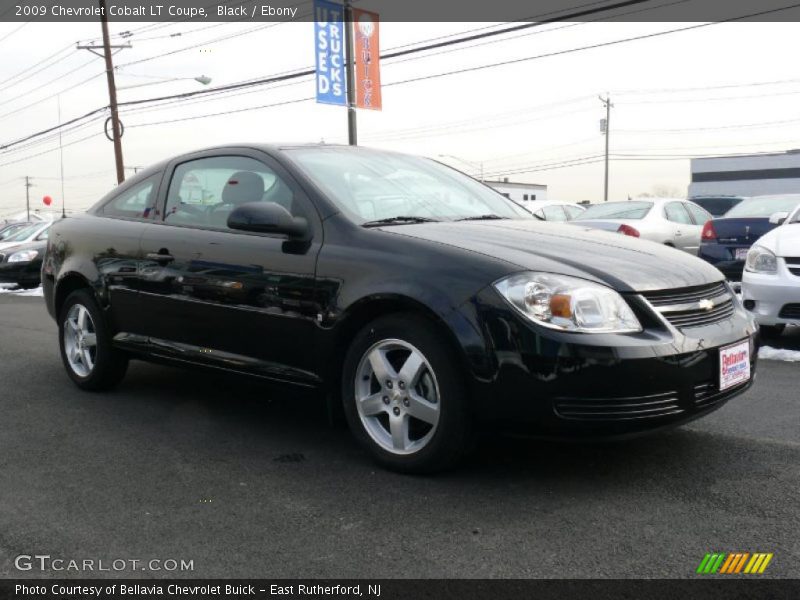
{"points": [[80, 340], [397, 396]]}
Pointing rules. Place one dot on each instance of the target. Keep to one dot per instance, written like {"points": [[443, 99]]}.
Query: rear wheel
{"points": [[770, 332], [85, 342], [403, 395]]}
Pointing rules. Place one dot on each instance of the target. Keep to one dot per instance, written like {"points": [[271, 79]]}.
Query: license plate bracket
{"points": [[741, 253], [734, 364]]}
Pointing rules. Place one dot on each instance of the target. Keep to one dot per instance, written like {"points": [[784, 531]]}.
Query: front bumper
{"points": [[772, 296], [558, 384], [26, 274]]}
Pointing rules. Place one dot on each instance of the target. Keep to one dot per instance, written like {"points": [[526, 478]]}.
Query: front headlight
{"points": [[23, 256], [761, 260], [568, 303]]}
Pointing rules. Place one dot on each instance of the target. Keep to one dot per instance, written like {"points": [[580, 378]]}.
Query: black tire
{"points": [[110, 364], [452, 436], [771, 332]]}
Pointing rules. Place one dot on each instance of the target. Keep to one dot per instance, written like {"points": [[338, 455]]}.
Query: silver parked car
{"points": [[553, 210], [670, 221]]}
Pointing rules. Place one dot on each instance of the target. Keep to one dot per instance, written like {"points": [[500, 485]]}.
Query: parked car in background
{"points": [[22, 264], [32, 233], [717, 205], [726, 240], [553, 210], [771, 279], [9, 229], [418, 299], [669, 221]]}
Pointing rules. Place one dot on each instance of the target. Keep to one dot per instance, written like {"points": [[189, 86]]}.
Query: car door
{"points": [[683, 227], [699, 216], [239, 299]]}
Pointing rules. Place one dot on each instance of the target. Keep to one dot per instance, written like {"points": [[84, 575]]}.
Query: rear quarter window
{"points": [[137, 202]]}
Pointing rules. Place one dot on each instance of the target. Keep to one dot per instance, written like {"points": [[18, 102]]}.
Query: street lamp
{"points": [[202, 79], [472, 165]]}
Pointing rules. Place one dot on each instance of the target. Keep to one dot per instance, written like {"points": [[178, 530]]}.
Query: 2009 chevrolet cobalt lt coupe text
{"points": [[425, 300]]}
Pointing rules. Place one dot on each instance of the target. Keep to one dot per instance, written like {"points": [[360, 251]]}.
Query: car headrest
{"points": [[243, 187]]}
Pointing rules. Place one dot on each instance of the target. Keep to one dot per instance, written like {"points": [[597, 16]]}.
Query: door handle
{"points": [[159, 257], [678, 233]]}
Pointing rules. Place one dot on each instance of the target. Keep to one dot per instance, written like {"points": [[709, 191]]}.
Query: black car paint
{"points": [[286, 309], [24, 274]]}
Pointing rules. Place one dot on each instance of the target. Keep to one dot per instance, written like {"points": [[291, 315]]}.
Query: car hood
{"points": [[624, 263], [783, 241]]}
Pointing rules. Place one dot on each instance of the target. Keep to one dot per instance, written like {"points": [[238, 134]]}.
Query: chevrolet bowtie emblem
{"points": [[705, 304]]}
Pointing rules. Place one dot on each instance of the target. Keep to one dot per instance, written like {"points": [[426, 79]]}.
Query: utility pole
{"points": [[28, 186], [605, 127], [112, 89], [352, 128]]}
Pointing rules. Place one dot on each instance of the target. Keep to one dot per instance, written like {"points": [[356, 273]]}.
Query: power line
{"points": [[8, 35]]}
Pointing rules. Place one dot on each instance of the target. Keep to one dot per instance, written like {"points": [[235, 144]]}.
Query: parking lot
{"points": [[247, 480]]}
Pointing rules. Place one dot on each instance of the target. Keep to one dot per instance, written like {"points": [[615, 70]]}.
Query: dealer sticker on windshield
{"points": [[734, 365]]}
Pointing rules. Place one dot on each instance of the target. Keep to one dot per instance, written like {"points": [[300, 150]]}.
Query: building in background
{"points": [[519, 192], [746, 175]]}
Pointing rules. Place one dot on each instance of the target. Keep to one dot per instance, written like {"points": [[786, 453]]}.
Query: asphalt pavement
{"points": [[249, 480]]}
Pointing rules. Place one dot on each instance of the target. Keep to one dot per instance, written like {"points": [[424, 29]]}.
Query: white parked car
{"points": [[671, 221], [553, 210], [771, 279], [32, 233]]}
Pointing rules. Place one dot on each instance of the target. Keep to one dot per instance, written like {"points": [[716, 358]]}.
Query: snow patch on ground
{"points": [[10, 289], [769, 353]]}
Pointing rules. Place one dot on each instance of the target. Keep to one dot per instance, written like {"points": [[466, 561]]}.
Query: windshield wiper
{"points": [[489, 217], [400, 220]]}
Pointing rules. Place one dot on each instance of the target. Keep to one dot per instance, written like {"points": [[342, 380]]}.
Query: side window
{"points": [[137, 202], [204, 192], [554, 213], [699, 215], [675, 212], [572, 211]]}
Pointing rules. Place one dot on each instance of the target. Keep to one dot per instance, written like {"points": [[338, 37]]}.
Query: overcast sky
{"points": [[520, 120]]}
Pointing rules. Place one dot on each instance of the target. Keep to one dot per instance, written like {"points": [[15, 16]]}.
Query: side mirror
{"points": [[778, 218], [267, 217]]}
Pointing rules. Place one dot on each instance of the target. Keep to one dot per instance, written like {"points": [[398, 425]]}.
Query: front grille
{"points": [[693, 307], [790, 311], [618, 409], [708, 394], [793, 264]]}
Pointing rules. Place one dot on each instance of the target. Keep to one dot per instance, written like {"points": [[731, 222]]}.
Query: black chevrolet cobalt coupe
{"points": [[425, 301]]}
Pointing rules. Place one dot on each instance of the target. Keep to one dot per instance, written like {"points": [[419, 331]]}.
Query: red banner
{"points": [[367, 59]]}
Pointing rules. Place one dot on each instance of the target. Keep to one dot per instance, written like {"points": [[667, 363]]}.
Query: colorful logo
{"points": [[734, 563]]}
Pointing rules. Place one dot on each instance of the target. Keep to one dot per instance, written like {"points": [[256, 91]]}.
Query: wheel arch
{"points": [[68, 283], [371, 308]]}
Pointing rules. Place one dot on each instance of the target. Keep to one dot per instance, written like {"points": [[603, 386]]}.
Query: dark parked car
{"points": [[428, 301], [726, 240], [22, 264], [717, 205], [9, 229]]}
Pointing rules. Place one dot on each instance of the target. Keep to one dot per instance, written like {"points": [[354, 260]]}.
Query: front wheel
{"points": [[404, 396], [87, 352]]}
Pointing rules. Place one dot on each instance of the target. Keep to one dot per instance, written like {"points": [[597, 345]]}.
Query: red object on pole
{"points": [[47, 200], [367, 51]]}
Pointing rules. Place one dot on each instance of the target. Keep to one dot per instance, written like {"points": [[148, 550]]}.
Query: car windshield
{"points": [[716, 206], [371, 186], [22, 234], [10, 230], [616, 210], [763, 206]]}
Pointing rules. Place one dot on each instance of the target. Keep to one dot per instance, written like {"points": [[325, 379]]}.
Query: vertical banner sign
{"points": [[368, 60], [329, 50]]}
